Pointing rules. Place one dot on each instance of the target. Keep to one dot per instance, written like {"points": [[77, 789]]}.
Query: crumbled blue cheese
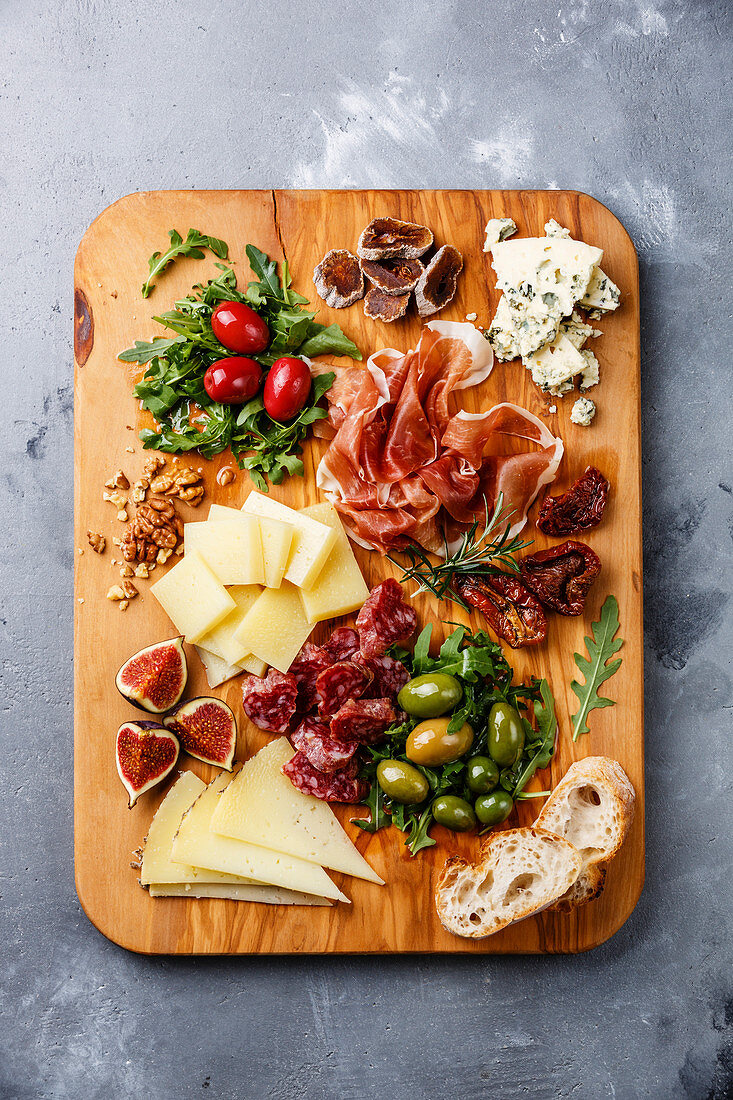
{"points": [[498, 229], [589, 377], [554, 229], [502, 334], [555, 366], [471, 316], [601, 294], [577, 331], [583, 411]]}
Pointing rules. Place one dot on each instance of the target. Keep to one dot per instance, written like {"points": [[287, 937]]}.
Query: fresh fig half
{"points": [[154, 678], [207, 729], [146, 753]]}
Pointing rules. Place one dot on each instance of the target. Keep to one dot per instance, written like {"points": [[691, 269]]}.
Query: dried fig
{"points": [[393, 276], [338, 278], [207, 729], [385, 307], [390, 238], [437, 285], [146, 753], [154, 678]]}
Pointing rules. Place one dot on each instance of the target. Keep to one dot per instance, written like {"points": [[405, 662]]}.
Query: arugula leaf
{"points": [[193, 246], [329, 340], [145, 350], [596, 670], [419, 838], [544, 709], [374, 802]]}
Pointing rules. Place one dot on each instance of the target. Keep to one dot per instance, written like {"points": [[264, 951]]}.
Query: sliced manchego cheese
{"points": [[340, 587], [232, 549], [235, 891], [275, 627], [277, 542], [312, 541], [262, 806], [221, 640], [217, 671], [193, 597], [197, 846], [157, 865]]}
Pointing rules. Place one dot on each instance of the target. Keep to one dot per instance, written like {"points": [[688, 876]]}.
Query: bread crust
{"points": [[604, 775]]}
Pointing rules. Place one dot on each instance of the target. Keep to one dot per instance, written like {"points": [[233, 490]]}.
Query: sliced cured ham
{"points": [[404, 465]]}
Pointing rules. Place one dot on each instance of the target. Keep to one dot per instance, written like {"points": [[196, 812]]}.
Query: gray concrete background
{"points": [[625, 100]]}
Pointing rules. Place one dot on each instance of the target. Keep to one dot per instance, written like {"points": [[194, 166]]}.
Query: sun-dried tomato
{"points": [[579, 509], [561, 576], [513, 612]]}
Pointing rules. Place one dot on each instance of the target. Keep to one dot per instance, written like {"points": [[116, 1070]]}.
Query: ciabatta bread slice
{"points": [[593, 807], [587, 886], [521, 871]]}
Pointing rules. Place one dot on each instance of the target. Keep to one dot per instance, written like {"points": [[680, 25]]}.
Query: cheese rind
{"points": [[195, 844], [275, 627], [236, 891], [312, 541], [340, 587], [193, 597], [231, 548], [262, 806], [221, 640]]}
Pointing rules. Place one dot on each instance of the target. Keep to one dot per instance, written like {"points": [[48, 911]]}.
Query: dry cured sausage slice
{"points": [[385, 619], [305, 669], [343, 643], [342, 681], [338, 278], [270, 702], [389, 676], [326, 755], [363, 720], [341, 786]]}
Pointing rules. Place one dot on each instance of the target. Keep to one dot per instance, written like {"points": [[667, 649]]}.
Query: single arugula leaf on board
{"points": [[193, 246], [602, 644], [374, 802]]}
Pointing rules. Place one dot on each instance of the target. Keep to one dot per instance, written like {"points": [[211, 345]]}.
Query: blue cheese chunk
{"points": [[554, 229], [583, 411], [601, 294], [502, 334], [555, 366], [498, 229], [577, 331], [589, 377]]}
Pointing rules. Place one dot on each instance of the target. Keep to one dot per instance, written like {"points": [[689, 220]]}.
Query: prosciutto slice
{"points": [[403, 465]]}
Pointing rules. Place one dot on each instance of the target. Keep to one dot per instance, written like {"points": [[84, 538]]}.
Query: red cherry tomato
{"points": [[239, 328], [233, 381], [286, 388]]}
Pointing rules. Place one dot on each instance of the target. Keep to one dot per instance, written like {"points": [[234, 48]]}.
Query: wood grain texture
{"points": [[301, 225]]}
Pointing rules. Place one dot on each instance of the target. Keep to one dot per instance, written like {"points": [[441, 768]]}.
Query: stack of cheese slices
{"points": [[253, 837], [252, 584]]}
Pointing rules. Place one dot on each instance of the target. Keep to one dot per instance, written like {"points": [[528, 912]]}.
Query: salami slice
{"points": [[326, 755], [342, 681], [269, 702], [389, 676], [305, 669], [385, 619], [363, 721], [341, 786], [343, 644]]}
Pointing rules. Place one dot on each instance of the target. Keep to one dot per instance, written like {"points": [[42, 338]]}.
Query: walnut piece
{"points": [[97, 542], [155, 462], [155, 526], [129, 589], [388, 237], [184, 484], [115, 593], [393, 276], [437, 284], [338, 278], [141, 570], [385, 307], [117, 481], [117, 498], [139, 490]]}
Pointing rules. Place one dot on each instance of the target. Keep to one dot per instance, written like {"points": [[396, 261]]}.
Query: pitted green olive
{"points": [[430, 695], [492, 809], [430, 743], [482, 774], [402, 782], [454, 813], [506, 735]]}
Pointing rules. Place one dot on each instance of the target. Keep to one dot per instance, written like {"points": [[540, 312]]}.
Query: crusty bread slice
{"points": [[521, 871], [587, 886]]}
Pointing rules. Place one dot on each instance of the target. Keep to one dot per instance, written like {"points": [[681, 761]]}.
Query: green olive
{"points": [[492, 809], [430, 743], [482, 774], [430, 695], [454, 813], [402, 782], [506, 735]]}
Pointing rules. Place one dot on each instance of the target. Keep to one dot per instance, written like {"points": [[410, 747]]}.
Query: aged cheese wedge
{"points": [[218, 671], [275, 627], [197, 846], [221, 640], [265, 895], [192, 596], [231, 548], [277, 538], [157, 865], [340, 587], [262, 806], [312, 541]]}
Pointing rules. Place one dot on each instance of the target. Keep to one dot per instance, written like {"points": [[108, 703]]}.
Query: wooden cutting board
{"points": [[110, 313]]}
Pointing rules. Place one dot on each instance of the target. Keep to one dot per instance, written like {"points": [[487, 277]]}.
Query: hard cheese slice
{"points": [[275, 627], [236, 891], [277, 539], [312, 541], [192, 596], [340, 588], [262, 806], [157, 865], [221, 640], [218, 671], [231, 548], [196, 845]]}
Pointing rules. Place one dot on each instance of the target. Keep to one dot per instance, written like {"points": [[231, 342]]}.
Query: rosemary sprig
{"points": [[485, 554]]}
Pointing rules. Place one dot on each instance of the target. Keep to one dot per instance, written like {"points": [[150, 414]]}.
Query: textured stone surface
{"points": [[624, 100]]}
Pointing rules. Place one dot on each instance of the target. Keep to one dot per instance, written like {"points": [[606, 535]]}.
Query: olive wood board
{"points": [[109, 314]]}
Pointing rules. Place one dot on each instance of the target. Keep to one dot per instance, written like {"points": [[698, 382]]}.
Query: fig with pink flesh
{"points": [[154, 678], [146, 753], [207, 729]]}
